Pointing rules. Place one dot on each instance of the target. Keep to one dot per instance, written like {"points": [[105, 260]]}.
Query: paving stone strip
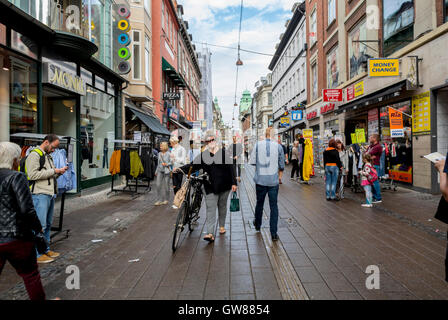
{"points": [[290, 286]]}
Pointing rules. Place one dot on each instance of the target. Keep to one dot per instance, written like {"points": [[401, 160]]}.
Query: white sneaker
{"points": [[365, 205], [377, 201], [158, 203], [174, 207], [165, 202]]}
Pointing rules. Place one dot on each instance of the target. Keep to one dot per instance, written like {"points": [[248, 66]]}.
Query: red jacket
{"points": [[375, 150]]}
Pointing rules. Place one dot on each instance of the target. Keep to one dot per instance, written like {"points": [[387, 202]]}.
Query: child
{"points": [[368, 176]]}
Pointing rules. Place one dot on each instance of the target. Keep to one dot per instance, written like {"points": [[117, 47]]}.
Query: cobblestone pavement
{"points": [[323, 251]]}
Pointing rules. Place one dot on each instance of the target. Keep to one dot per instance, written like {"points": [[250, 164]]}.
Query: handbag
{"points": [[180, 195], [442, 211], [234, 203], [41, 243]]}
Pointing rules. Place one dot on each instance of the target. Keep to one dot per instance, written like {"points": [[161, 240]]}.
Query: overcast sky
{"points": [[217, 22]]}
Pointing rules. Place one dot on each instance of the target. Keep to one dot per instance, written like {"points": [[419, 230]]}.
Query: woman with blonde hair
{"points": [[163, 172]]}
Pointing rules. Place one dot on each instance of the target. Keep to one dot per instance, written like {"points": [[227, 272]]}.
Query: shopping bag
{"points": [[234, 203], [180, 195]]}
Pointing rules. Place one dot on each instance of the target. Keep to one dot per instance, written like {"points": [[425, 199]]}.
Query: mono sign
{"points": [[171, 96], [64, 79]]}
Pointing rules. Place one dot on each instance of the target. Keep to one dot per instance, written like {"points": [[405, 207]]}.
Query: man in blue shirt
{"points": [[269, 161]]}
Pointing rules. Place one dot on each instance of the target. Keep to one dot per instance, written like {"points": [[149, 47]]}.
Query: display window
{"points": [[398, 140], [97, 127], [23, 113]]}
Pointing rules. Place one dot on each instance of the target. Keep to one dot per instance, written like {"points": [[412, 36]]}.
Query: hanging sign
{"points": [[360, 135], [384, 67], [355, 90], [396, 123], [354, 139], [421, 111], [297, 115], [307, 133], [284, 122], [332, 95]]}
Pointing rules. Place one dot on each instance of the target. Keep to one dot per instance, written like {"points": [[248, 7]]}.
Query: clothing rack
{"points": [[130, 186], [25, 139]]}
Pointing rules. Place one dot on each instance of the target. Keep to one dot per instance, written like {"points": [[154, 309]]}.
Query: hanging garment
{"points": [[125, 163], [147, 161], [136, 166], [307, 160], [114, 167], [67, 181]]}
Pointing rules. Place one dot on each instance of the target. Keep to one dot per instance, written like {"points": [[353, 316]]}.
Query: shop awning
{"points": [[178, 124], [375, 97], [152, 123], [172, 73]]}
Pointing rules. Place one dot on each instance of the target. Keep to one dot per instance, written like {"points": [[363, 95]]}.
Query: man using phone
{"points": [[42, 175]]}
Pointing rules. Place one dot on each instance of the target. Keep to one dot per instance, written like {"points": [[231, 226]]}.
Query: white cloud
{"points": [[257, 35]]}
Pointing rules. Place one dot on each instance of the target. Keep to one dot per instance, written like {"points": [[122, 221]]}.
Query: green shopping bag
{"points": [[234, 203]]}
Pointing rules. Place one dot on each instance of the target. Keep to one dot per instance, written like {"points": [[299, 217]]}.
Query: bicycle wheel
{"points": [[179, 227]]}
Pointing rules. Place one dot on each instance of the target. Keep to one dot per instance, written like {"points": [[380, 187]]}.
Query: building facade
{"points": [[263, 104], [206, 91], [188, 67], [289, 76], [58, 76], [342, 36]]}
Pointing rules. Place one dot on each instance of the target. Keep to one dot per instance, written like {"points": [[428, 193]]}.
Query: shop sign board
{"points": [[171, 96], [297, 115], [421, 111], [284, 122], [59, 77], [354, 138], [332, 95], [327, 108], [355, 90], [307, 133], [384, 67], [396, 123], [311, 115]]}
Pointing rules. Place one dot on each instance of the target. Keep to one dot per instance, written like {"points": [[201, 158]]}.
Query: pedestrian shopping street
{"points": [[323, 252]]}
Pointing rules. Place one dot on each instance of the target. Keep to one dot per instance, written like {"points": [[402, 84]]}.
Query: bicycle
{"points": [[188, 213]]}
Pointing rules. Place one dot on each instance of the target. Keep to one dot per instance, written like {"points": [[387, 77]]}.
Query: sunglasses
{"points": [[208, 141]]}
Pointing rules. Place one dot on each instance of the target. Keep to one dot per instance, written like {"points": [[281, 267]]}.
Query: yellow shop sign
{"points": [[384, 67], [64, 79]]}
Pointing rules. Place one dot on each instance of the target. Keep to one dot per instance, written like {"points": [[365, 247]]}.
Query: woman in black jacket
{"points": [[18, 221], [332, 164], [222, 178]]}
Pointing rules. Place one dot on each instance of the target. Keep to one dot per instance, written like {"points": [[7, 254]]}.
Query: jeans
{"points": [[21, 255], [177, 181], [295, 168], [272, 192], [377, 187], [44, 205], [163, 186], [368, 190], [331, 179], [211, 202]]}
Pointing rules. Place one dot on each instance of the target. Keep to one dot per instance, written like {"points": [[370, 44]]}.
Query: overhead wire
{"points": [[237, 65]]}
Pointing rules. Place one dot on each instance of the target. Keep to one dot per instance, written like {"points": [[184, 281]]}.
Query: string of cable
{"points": [[238, 62]]}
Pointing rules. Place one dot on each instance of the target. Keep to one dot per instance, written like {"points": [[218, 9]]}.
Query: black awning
{"points": [[152, 123], [380, 95]]}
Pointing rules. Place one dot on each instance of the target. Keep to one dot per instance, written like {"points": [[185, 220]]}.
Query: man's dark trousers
{"points": [[261, 196]]}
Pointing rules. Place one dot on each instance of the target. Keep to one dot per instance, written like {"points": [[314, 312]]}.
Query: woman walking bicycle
{"points": [[221, 180], [163, 172]]}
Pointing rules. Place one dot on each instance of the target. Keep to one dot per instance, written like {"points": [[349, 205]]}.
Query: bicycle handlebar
{"points": [[199, 177]]}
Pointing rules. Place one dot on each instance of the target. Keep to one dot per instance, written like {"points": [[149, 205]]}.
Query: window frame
{"points": [[329, 22], [147, 60], [139, 44]]}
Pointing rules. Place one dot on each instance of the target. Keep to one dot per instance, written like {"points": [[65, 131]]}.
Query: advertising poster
{"points": [[396, 123], [373, 125], [357, 51], [360, 135], [354, 139], [421, 111], [332, 69]]}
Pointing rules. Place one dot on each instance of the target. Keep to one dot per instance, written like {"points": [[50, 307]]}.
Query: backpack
{"points": [[373, 176], [22, 167]]}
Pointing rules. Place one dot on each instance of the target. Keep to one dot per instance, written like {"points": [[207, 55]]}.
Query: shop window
{"points": [[86, 76], [398, 22], [23, 95], [332, 69], [400, 146], [97, 126], [136, 55]]}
